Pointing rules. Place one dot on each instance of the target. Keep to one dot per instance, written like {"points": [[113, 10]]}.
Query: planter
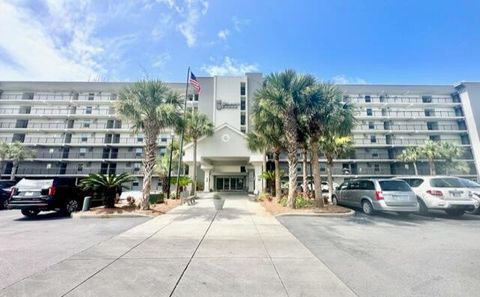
{"points": [[218, 202]]}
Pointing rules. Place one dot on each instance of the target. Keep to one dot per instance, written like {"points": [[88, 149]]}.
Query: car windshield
{"points": [[469, 183], [446, 182], [394, 185], [26, 184]]}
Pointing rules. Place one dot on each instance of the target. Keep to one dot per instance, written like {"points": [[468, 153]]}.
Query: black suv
{"points": [[5, 191], [34, 195]]}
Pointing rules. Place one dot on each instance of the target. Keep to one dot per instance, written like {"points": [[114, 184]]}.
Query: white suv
{"points": [[441, 192]]}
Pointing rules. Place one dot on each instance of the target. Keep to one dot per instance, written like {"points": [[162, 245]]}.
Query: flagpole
{"points": [[183, 133]]}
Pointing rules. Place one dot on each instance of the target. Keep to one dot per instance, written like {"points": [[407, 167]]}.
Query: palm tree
{"points": [[196, 126], [410, 155], [163, 164], [269, 176], [449, 152], [334, 146], [267, 136], [107, 185], [3, 155], [431, 150], [152, 107], [17, 152], [283, 94], [327, 115]]}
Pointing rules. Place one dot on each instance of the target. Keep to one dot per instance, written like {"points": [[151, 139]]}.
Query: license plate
{"points": [[28, 193], [400, 198], [456, 194]]}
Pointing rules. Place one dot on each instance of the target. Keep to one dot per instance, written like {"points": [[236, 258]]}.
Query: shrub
{"points": [[300, 202], [131, 201]]}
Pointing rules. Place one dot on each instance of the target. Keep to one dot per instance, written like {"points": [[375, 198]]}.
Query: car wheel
{"points": [[367, 207], [30, 213], [334, 200], [423, 207], [455, 213], [403, 214], [70, 206]]}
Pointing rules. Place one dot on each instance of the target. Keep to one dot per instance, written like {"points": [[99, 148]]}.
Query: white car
{"points": [[474, 187], [442, 193]]}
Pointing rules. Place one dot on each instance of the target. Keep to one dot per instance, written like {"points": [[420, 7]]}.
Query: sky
{"points": [[342, 41]]}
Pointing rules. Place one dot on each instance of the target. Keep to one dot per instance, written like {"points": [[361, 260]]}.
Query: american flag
{"points": [[194, 82]]}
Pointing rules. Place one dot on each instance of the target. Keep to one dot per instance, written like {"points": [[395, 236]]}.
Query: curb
{"points": [[345, 214], [108, 216]]}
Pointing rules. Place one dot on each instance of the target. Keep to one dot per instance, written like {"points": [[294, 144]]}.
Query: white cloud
{"points": [[191, 15], [239, 23], [161, 60], [223, 34], [62, 49], [343, 80], [229, 66]]}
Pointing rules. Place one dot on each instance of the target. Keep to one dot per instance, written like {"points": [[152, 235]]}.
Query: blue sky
{"points": [[346, 41]]}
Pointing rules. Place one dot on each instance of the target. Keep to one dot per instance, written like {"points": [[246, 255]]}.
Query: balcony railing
{"points": [[88, 155], [75, 171], [407, 114]]}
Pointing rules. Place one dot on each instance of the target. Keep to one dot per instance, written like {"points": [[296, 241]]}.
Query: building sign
{"points": [[226, 105]]}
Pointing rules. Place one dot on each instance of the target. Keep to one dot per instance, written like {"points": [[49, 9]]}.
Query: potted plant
{"points": [[218, 201], [106, 185]]}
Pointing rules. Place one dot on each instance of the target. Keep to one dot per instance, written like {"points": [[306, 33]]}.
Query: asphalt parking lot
{"points": [[30, 245], [387, 255]]}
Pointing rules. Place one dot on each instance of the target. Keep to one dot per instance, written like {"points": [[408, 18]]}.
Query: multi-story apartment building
{"points": [[74, 130]]}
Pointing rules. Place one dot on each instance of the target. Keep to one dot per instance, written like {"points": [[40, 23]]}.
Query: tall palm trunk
{"points": [[151, 134], [194, 182], [415, 168], [14, 170], [278, 186], [290, 126], [317, 180], [305, 180], [432, 167], [330, 176], [264, 168]]}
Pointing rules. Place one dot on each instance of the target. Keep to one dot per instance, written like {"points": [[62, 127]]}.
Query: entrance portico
{"points": [[226, 162]]}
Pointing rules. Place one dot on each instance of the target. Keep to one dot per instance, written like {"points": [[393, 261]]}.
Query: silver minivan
{"points": [[377, 195]]}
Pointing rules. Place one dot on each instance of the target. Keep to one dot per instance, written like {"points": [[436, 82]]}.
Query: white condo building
{"points": [[73, 128]]}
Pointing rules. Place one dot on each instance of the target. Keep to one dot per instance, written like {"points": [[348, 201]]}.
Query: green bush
{"points": [[300, 202], [155, 198]]}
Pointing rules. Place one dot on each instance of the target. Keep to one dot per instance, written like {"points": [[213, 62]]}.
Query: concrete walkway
{"points": [[192, 251]]}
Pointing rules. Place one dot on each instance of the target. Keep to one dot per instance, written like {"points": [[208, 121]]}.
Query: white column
{"points": [[207, 180], [258, 180]]}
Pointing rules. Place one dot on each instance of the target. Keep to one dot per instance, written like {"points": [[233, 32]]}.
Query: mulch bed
{"points": [[276, 208], [155, 209]]}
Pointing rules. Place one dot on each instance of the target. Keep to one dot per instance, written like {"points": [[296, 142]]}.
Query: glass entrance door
{"points": [[230, 183]]}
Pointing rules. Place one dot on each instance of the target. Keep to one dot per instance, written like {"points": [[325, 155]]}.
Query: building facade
{"points": [[74, 131]]}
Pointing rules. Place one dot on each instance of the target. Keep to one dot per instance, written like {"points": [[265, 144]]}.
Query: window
{"points": [[195, 97], [83, 151], [429, 112], [21, 124], [243, 130], [242, 89], [366, 185], [163, 139], [376, 168], [139, 138], [75, 96], [373, 139], [369, 112], [432, 125], [371, 125], [18, 137], [86, 124], [91, 96], [394, 186], [190, 97], [242, 119], [88, 110], [84, 137], [80, 167], [27, 96], [138, 152], [136, 166], [427, 99], [242, 169], [25, 110], [434, 137], [447, 182], [382, 98], [375, 155], [368, 99], [414, 182], [242, 104]]}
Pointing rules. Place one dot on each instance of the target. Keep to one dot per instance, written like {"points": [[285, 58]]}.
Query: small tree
{"points": [[3, 155], [449, 153], [106, 185], [410, 155], [17, 152], [334, 146], [269, 176], [163, 164], [431, 150], [196, 126]]}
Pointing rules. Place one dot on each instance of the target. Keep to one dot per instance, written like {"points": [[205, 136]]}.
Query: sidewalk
{"points": [[192, 250]]}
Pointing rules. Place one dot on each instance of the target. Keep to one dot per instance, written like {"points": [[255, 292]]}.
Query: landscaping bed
{"points": [[123, 209], [276, 207]]}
